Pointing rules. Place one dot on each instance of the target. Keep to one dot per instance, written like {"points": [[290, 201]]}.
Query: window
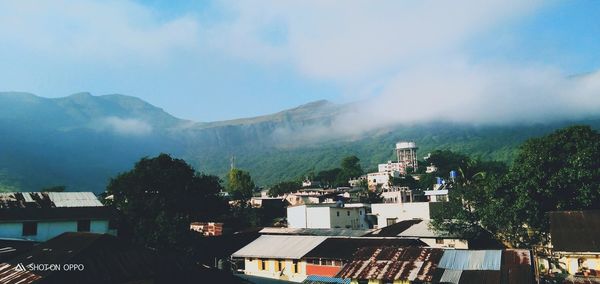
{"points": [[261, 264], [338, 213], [439, 241], [391, 221], [359, 212], [29, 228], [278, 265], [83, 226], [294, 266], [348, 213]]}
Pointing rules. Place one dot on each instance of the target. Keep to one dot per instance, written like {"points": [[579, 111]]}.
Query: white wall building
{"points": [[40, 216], [391, 213], [327, 216]]}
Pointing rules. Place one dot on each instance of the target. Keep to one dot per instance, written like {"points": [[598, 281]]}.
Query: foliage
{"points": [[158, 199], [559, 171], [328, 177], [240, 185], [57, 188], [350, 168], [284, 187]]}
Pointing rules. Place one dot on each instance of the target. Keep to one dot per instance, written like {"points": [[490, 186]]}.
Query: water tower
{"points": [[406, 152]]}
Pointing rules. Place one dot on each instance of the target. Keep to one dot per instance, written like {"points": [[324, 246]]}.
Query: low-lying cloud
{"points": [[125, 126]]}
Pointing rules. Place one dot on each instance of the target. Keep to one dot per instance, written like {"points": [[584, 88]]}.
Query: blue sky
{"points": [[215, 60]]}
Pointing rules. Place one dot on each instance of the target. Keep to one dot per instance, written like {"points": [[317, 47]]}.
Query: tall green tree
{"points": [[240, 185], [158, 199], [284, 187], [559, 171]]}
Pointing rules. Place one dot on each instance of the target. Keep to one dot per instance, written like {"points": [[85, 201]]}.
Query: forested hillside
{"points": [[81, 141]]}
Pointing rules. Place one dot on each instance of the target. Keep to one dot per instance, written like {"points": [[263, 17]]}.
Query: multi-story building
{"points": [[333, 215]]}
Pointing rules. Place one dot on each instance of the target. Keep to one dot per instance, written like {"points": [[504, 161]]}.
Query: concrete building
{"points": [[278, 257], [574, 248], [315, 216], [396, 194], [40, 216], [391, 213]]}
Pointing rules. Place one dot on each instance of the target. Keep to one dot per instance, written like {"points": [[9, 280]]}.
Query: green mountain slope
{"points": [[81, 140]]}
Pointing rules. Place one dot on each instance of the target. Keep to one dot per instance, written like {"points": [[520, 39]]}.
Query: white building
{"points": [[278, 257], [380, 179], [327, 216], [391, 213], [39, 216], [396, 194]]}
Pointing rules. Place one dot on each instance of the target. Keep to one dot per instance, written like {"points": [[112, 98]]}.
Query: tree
{"points": [[56, 188], [240, 185], [350, 168], [158, 199], [559, 171], [284, 187]]}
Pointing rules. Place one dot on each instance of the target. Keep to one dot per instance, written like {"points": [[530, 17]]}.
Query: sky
{"points": [[485, 61]]}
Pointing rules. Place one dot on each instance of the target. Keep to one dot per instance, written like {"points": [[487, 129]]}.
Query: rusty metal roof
{"points": [[440, 265], [344, 248], [582, 226], [106, 259], [386, 263]]}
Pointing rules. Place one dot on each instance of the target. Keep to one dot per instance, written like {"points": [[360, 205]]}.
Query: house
{"points": [[102, 258], [339, 232], [433, 265], [40, 216], [328, 258], [327, 216], [423, 231], [278, 257], [575, 245], [207, 228], [396, 194], [391, 213]]}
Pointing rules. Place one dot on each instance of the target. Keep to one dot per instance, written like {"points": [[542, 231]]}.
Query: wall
{"points": [[251, 268], [48, 230], [401, 211], [296, 216], [355, 220], [446, 243], [317, 217]]}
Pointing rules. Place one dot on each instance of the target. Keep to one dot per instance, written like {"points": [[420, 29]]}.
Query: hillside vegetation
{"points": [[80, 141]]}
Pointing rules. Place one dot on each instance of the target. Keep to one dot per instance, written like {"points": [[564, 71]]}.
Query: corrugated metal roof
{"points": [[74, 199], [424, 230], [317, 279], [440, 265], [583, 226], [471, 260], [314, 232], [276, 246], [344, 248], [13, 200], [385, 263]]}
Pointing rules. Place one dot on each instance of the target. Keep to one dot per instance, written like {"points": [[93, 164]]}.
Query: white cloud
{"points": [[93, 31], [125, 126]]}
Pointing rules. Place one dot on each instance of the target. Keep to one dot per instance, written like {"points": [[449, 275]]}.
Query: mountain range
{"points": [[81, 141]]}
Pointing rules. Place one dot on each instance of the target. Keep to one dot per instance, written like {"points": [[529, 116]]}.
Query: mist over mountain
{"points": [[81, 140]]}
